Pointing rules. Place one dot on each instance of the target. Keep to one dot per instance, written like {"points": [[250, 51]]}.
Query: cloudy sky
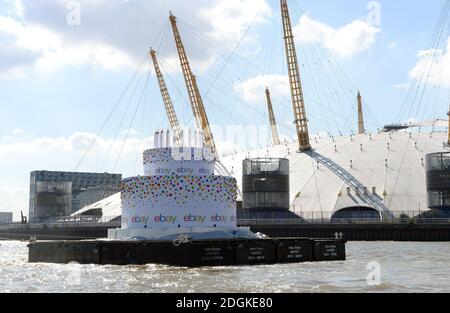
{"points": [[75, 71]]}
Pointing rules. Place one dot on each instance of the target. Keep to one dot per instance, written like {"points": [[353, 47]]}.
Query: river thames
{"points": [[403, 267]]}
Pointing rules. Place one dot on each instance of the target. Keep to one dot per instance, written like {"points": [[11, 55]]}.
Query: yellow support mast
{"points": [[361, 128], [173, 120], [273, 123], [298, 103], [195, 98]]}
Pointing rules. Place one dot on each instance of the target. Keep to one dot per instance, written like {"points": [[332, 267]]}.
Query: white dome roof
{"points": [[319, 179]]}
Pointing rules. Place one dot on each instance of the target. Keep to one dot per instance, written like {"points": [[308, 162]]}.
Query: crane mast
{"points": [[173, 120], [273, 123], [194, 93], [298, 103], [361, 128]]}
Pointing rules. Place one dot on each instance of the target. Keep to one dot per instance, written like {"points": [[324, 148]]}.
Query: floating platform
{"points": [[189, 254]]}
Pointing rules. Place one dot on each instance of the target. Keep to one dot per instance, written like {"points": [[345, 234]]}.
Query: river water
{"points": [[398, 267]]}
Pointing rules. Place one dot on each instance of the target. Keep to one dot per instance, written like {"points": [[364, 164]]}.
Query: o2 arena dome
{"points": [[369, 175], [373, 176]]}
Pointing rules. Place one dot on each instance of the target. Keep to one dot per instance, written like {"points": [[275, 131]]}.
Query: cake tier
{"points": [[179, 161], [175, 201]]}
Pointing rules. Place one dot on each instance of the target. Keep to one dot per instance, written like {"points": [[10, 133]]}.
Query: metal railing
{"points": [[296, 218], [347, 221], [70, 222]]}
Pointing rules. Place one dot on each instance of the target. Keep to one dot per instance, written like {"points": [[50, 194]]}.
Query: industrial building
{"points": [[6, 218], [438, 180], [265, 189], [55, 194]]}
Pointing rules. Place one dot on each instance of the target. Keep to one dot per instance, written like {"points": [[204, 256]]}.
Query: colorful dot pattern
{"points": [[179, 191]]}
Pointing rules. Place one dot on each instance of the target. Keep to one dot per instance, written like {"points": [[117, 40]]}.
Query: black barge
{"points": [[196, 253]]}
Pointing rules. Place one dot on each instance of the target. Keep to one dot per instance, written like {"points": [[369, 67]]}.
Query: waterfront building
{"points": [[6, 218], [55, 194]]}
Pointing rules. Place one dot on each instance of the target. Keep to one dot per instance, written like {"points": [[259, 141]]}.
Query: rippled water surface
{"points": [[405, 267]]}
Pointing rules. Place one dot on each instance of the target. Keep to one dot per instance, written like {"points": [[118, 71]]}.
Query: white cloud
{"points": [[345, 41], [115, 34], [15, 8], [74, 144], [393, 45], [13, 136], [435, 63], [253, 90], [33, 46], [18, 131], [232, 18]]}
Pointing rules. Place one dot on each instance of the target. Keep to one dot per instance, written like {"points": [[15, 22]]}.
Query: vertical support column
{"points": [[273, 123], [171, 115], [361, 129], [195, 98], [298, 103]]}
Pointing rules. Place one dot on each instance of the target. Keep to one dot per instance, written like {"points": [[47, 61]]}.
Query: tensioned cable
{"points": [[142, 136], [233, 52], [438, 86], [243, 58], [434, 43], [446, 9], [119, 128], [108, 118], [226, 48], [346, 78], [431, 68], [232, 95], [231, 115], [116, 105], [132, 121], [163, 65], [315, 88], [329, 84]]}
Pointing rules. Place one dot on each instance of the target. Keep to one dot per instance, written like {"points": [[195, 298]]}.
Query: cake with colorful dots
{"points": [[179, 193]]}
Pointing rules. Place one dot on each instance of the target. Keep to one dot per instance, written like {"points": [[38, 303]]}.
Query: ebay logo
{"points": [[194, 219], [183, 170], [219, 218], [165, 219], [139, 219]]}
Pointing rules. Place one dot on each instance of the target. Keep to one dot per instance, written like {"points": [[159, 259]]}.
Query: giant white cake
{"points": [[179, 194]]}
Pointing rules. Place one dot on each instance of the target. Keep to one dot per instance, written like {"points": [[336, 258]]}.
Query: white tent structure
{"points": [[383, 172]]}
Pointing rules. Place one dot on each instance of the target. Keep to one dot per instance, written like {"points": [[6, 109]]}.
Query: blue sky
{"points": [[58, 82]]}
